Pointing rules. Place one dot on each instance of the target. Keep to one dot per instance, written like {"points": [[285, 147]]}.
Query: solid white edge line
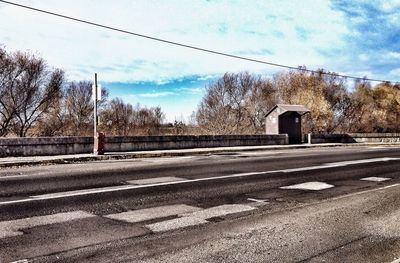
{"points": [[125, 187]]}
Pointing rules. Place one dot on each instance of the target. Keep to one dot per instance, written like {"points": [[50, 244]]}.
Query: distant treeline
{"points": [[237, 103], [36, 100]]}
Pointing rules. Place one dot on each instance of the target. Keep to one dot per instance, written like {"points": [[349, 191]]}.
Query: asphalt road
{"points": [[234, 207]]}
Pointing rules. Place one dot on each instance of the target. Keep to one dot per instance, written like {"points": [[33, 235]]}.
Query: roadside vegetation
{"points": [[237, 103], [37, 100]]}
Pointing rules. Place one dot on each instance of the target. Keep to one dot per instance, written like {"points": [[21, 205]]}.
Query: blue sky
{"points": [[351, 37]]}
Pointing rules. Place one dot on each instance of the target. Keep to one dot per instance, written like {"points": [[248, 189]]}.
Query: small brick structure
{"points": [[286, 119]]}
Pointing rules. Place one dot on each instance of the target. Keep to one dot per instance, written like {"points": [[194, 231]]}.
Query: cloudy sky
{"points": [[360, 38]]}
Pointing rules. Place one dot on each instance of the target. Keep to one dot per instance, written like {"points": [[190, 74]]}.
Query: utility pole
{"points": [[95, 104], [99, 138]]}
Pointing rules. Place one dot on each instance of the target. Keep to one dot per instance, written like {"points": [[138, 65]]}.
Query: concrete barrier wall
{"points": [[355, 138], [76, 145], [139, 143], [45, 146]]}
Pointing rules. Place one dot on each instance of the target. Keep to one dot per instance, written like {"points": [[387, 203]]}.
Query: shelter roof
{"points": [[300, 109]]}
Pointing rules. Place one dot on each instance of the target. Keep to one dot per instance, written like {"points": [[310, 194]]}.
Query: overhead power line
{"points": [[189, 46]]}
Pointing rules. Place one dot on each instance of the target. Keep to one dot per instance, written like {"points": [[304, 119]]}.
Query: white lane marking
{"points": [[157, 180], [360, 193], [140, 215], [121, 188], [339, 164], [373, 160], [221, 210], [77, 192], [13, 227], [256, 200], [176, 223], [129, 187], [199, 217], [259, 153], [15, 176], [314, 186], [168, 159], [376, 179], [378, 147]]}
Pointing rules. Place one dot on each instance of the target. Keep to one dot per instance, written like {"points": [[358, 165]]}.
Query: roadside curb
{"points": [[49, 160]]}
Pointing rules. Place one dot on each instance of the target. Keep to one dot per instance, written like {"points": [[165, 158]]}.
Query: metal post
{"points": [[309, 138], [99, 138], [95, 104]]}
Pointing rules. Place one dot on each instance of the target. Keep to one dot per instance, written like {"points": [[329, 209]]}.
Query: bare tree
{"points": [[35, 87], [8, 72], [53, 122], [120, 118], [33, 101], [117, 117], [147, 121], [224, 110], [157, 119], [377, 109], [263, 98], [79, 107], [340, 101], [301, 87]]}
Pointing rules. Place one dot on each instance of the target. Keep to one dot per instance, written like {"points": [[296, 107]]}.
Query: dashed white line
{"points": [[314, 186], [140, 215], [157, 180], [376, 179], [176, 223], [20, 261], [256, 200], [199, 217], [221, 210], [13, 227]]}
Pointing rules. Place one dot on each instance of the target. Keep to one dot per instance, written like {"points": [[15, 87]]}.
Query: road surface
{"points": [[310, 205]]}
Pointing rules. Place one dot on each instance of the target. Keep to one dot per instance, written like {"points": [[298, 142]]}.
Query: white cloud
{"points": [[318, 34], [389, 5], [175, 109], [197, 90], [157, 94], [287, 32], [392, 55], [395, 72], [363, 57]]}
